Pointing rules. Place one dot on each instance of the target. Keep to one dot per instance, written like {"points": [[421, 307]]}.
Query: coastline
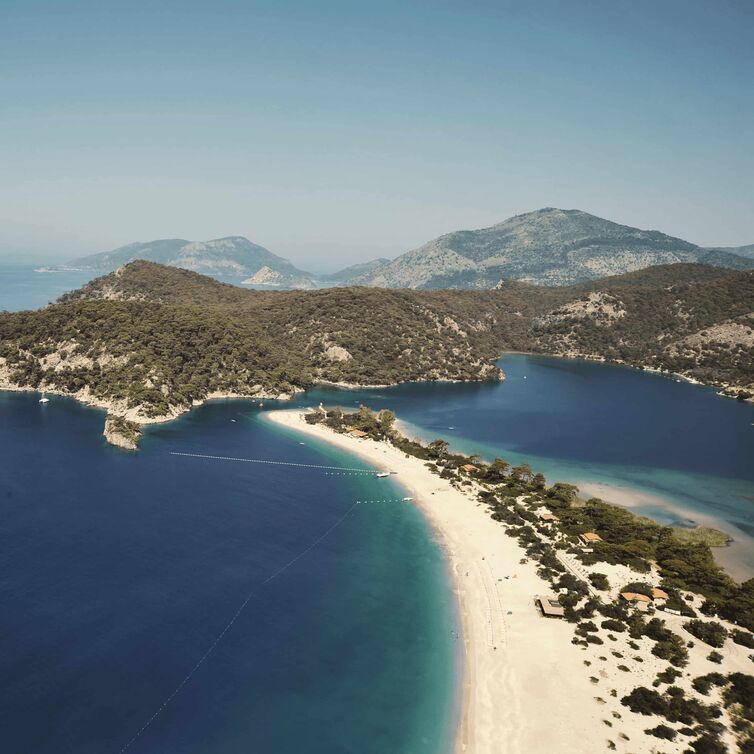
{"points": [[723, 389], [516, 664], [624, 496]]}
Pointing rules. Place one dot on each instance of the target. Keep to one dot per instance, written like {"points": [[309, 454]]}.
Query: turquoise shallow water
{"points": [[687, 453], [118, 571]]}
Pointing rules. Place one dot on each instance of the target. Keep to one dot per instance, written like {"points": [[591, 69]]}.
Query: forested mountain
{"points": [[355, 271], [149, 340], [741, 251], [547, 247], [234, 258]]}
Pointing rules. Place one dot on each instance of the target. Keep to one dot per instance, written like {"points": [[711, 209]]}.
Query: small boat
{"points": [[382, 474], [407, 499], [44, 399], [233, 420], [261, 405]]}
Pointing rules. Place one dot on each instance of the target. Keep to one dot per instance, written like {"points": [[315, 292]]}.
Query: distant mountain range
{"points": [[741, 251], [233, 258], [547, 247], [551, 247]]}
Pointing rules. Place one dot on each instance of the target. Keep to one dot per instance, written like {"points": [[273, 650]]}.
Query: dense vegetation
{"points": [[156, 338], [703, 328]]}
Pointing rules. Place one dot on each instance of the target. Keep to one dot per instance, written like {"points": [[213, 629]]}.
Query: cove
{"points": [[120, 570]]}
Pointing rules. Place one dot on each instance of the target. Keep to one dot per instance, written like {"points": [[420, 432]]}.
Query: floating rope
{"points": [[230, 623], [274, 463]]}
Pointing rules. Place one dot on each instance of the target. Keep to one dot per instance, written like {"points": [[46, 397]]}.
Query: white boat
{"points": [[44, 399], [382, 474], [407, 499]]}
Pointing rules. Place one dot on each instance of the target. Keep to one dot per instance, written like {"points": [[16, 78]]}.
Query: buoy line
{"points": [[274, 463], [230, 623]]}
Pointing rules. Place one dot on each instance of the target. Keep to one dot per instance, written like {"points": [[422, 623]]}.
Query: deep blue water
{"points": [[119, 570]]}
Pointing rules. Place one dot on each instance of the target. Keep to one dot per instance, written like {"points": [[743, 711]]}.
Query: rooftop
{"points": [[635, 597], [590, 536], [550, 607]]}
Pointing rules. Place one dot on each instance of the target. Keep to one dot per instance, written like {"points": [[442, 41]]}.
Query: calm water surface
{"points": [[119, 570], [23, 288]]}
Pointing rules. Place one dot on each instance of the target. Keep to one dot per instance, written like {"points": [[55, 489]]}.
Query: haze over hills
{"points": [[741, 251], [550, 247], [546, 247], [232, 258]]}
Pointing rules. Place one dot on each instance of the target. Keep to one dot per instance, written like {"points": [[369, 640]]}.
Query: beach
{"points": [[525, 688]]}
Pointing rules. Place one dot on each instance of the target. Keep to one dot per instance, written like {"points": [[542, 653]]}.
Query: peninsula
{"points": [[584, 627]]}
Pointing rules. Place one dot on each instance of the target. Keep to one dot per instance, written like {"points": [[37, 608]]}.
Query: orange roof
{"points": [[358, 433], [659, 594], [548, 517], [590, 536], [635, 597], [469, 467]]}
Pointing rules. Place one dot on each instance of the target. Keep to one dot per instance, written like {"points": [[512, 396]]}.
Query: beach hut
{"points": [[639, 601], [550, 607], [659, 595], [469, 468], [549, 518], [358, 433], [589, 538]]}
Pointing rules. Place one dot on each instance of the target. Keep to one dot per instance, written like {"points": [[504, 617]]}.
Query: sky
{"points": [[336, 132]]}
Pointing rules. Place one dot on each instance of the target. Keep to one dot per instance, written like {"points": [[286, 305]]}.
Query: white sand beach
{"points": [[525, 685]]}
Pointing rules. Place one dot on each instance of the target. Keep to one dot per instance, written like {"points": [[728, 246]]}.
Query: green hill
{"points": [[149, 340]]}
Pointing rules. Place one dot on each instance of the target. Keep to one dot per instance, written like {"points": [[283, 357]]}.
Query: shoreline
{"points": [[515, 663], [624, 496]]}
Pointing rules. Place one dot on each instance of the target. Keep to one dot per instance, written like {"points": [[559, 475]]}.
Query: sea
{"points": [[235, 587]]}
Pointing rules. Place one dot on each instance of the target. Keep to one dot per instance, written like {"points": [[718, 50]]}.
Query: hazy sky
{"points": [[335, 132]]}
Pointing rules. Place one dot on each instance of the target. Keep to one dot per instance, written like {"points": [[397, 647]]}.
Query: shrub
{"points": [[613, 625], [672, 650], [744, 638], [710, 632], [707, 744], [662, 731], [644, 701], [586, 626], [715, 657], [668, 675], [704, 683], [741, 691], [599, 581]]}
